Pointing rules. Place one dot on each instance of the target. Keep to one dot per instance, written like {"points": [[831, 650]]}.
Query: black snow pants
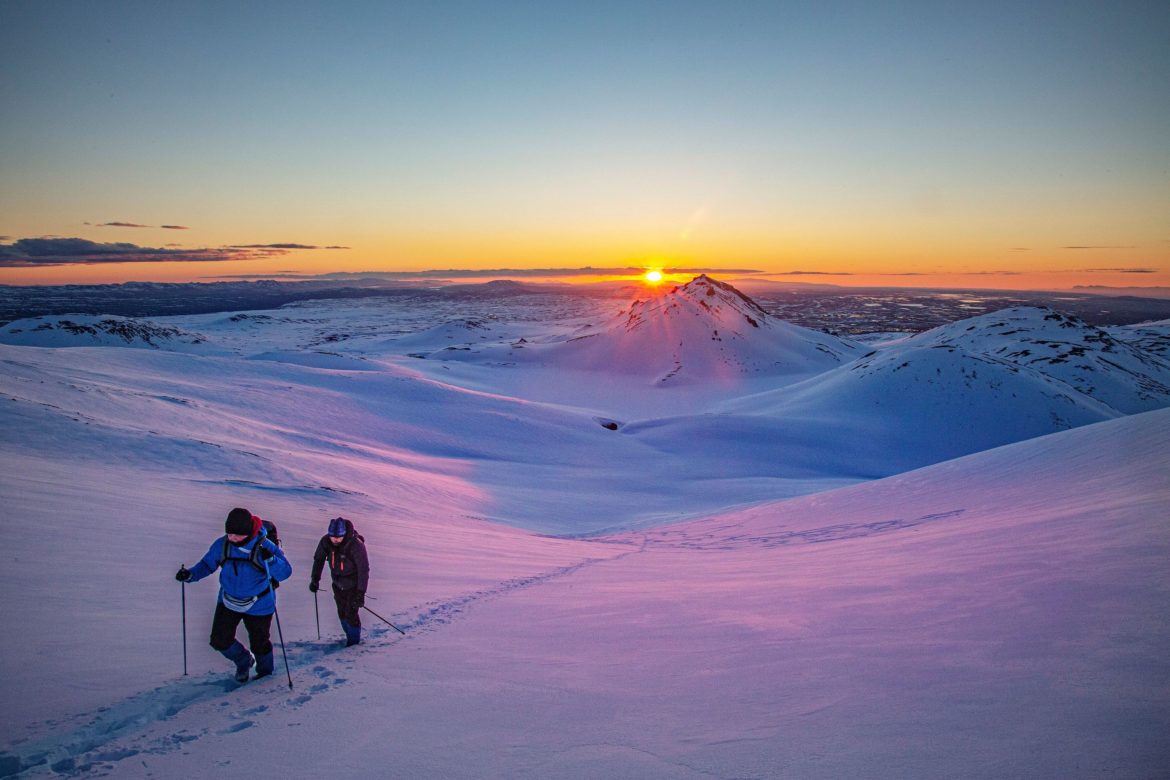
{"points": [[224, 625], [347, 608]]}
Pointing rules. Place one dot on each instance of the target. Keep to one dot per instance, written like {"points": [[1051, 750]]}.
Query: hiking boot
{"points": [[239, 655], [264, 665]]}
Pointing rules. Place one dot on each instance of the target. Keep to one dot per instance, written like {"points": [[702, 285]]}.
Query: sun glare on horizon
{"points": [[652, 276]]}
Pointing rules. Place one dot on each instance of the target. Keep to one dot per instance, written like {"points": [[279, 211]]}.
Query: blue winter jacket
{"points": [[238, 577]]}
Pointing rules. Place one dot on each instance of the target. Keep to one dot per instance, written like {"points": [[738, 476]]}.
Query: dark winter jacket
{"points": [[348, 562], [241, 579]]}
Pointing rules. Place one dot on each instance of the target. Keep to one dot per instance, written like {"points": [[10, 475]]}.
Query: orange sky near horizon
{"points": [[1122, 269]]}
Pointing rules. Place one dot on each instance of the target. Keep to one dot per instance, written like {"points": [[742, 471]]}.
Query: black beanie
{"points": [[239, 521]]}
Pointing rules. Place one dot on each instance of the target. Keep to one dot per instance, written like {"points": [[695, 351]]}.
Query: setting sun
{"points": [[652, 276]]}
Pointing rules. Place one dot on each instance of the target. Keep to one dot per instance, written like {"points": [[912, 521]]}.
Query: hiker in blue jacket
{"points": [[251, 566]]}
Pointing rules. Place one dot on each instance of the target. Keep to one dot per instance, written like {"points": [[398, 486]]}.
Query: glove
{"points": [[183, 574], [265, 553], [314, 586], [359, 600]]}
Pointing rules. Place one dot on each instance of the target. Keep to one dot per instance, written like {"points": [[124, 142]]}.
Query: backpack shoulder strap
{"points": [[254, 556]]}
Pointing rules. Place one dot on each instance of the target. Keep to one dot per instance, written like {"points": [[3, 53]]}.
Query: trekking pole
{"points": [[184, 592], [317, 612], [276, 614], [280, 634], [384, 620]]}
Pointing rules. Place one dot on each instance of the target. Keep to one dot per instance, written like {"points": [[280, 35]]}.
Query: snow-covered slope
{"points": [[339, 425], [457, 334], [556, 447], [999, 615], [919, 405], [970, 386]]}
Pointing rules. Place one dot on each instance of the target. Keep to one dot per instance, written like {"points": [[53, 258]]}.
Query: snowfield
{"points": [[680, 540]]}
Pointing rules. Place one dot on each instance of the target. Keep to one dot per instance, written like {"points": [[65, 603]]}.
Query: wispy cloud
{"points": [[123, 224], [1099, 246], [275, 250], [1157, 291], [274, 246], [50, 251], [1121, 270], [894, 273], [812, 273]]}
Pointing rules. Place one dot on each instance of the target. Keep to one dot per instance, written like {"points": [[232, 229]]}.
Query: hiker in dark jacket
{"points": [[345, 550], [250, 567]]}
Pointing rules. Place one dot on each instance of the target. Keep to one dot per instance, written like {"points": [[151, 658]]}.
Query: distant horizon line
{"points": [[538, 277]]}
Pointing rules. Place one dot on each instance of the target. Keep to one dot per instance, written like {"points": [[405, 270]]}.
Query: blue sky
{"points": [[828, 136]]}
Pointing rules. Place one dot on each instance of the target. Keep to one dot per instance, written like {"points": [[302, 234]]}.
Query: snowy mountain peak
{"points": [[702, 331], [710, 299]]}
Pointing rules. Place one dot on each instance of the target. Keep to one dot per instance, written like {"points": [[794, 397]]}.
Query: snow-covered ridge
{"points": [[1151, 337], [1063, 348], [87, 330]]}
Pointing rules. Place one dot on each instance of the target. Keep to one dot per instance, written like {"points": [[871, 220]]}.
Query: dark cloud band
{"points": [[37, 252]]}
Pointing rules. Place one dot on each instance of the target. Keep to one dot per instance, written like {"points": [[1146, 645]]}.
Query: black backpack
{"points": [[358, 536]]}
